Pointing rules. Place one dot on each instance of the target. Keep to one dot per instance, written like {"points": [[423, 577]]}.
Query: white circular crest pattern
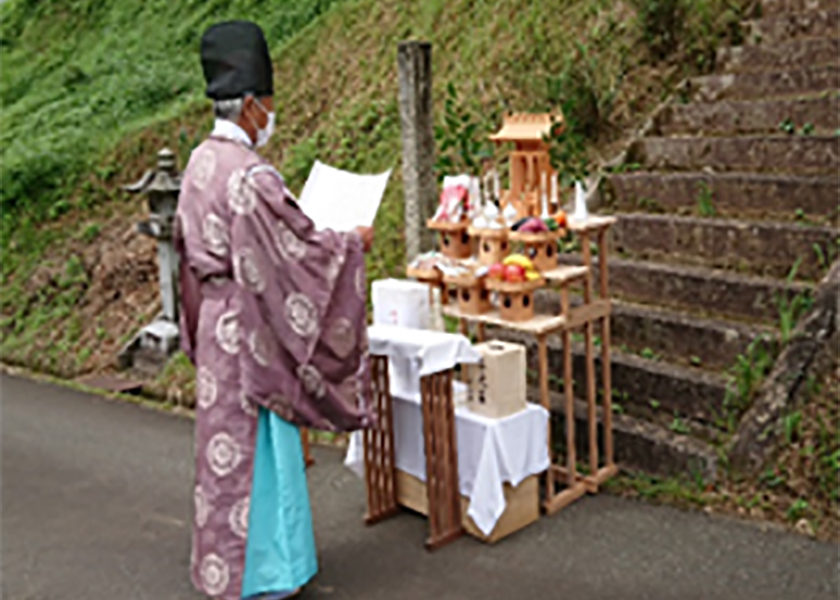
{"points": [[223, 454], [246, 405], [206, 389], [262, 347], [247, 270], [341, 337], [215, 574], [301, 314], [203, 168], [360, 282], [334, 267], [215, 234], [242, 197], [202, 506], [227, 332], [310, 377], [238, 517], [290, 246]]}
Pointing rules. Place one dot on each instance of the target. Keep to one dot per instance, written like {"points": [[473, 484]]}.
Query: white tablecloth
{"points": [[490, 453]]}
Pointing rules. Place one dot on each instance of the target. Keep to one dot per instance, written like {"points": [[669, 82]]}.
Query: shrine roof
{"points": [[526, 127]]}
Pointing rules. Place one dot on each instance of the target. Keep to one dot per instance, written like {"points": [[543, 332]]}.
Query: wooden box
{"points": [[497, 383], [521, 505], [454, 238], [541, 248], [473, 297], [516, 300], [493, 245]]}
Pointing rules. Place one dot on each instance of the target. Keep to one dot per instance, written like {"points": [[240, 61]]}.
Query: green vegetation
{"points": [[80, 75], [705, 207]]}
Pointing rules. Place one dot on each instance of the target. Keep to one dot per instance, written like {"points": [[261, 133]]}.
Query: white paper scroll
{"points": [[341, 200]]}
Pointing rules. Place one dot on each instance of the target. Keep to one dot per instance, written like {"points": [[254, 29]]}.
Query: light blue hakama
{"points": [[280, 551]]}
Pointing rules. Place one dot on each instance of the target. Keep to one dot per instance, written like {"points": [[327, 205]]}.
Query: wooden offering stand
{"points": [[564, 484], [454, 239], [493, 244], [473, 296], [516, 299], [540, 247]]}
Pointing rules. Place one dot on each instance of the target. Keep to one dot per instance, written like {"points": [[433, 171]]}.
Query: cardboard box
{"points": [[522, 505], [497, 383]]}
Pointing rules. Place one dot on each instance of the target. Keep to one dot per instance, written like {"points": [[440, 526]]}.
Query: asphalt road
{"points": [[96, 503]]}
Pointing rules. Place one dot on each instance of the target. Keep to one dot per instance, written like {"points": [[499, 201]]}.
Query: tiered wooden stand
{"points": [[564, 484]]}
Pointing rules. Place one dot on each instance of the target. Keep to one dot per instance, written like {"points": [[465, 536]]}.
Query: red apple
{"points": [[496, 271], [514, 273]]}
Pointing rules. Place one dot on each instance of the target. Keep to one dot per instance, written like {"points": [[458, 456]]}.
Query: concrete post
{"points": [[414, 60]]}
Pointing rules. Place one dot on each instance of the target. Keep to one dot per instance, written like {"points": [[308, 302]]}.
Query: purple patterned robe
{"points": [[272, 314]]}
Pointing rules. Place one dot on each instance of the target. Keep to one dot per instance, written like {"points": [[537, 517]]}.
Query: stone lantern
{"points": [[153, 344]]}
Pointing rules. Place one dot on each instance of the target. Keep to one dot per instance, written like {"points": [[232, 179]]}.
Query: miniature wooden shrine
{"points": [[530, 164]]}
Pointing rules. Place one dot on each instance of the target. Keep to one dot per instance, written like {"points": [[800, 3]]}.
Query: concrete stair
{"points": [[745, 195], [771, 8], [789, 54], [751, 116], [715, 205], [817, 155], [762, 84], [697, 290], [782, 27], [675, 336], [754, 247]]}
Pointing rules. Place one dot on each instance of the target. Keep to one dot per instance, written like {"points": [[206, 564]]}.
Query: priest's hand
{"points": [[366, 233]]}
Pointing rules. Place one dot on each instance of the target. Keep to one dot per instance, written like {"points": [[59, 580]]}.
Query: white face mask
{"points": [[264, 134]]}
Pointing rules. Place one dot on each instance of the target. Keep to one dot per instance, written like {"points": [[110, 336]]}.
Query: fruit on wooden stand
{"points": [[519, 259], [523, 268], [533, 225], [496, 271], [514, 273], [561, 219]]}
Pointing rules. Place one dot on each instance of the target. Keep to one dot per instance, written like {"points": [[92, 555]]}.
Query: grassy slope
{"points": [[334, 104], [79, 75]]}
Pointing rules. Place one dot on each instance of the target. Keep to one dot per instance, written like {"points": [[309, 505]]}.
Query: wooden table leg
{"points": [[442, 483], [304, 441], [545, 400], [380, 466], [568, 388], [606, 381], [592, 415]]}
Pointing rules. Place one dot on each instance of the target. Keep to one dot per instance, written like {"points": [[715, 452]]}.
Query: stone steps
{"points": [[777, 7], [779, 28], [756, 247], [640, 445], [747, 85], [802, 155], [673, 336], [739, 117], [637, 383], [786, 55], [702, 291], [733, 194]]}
